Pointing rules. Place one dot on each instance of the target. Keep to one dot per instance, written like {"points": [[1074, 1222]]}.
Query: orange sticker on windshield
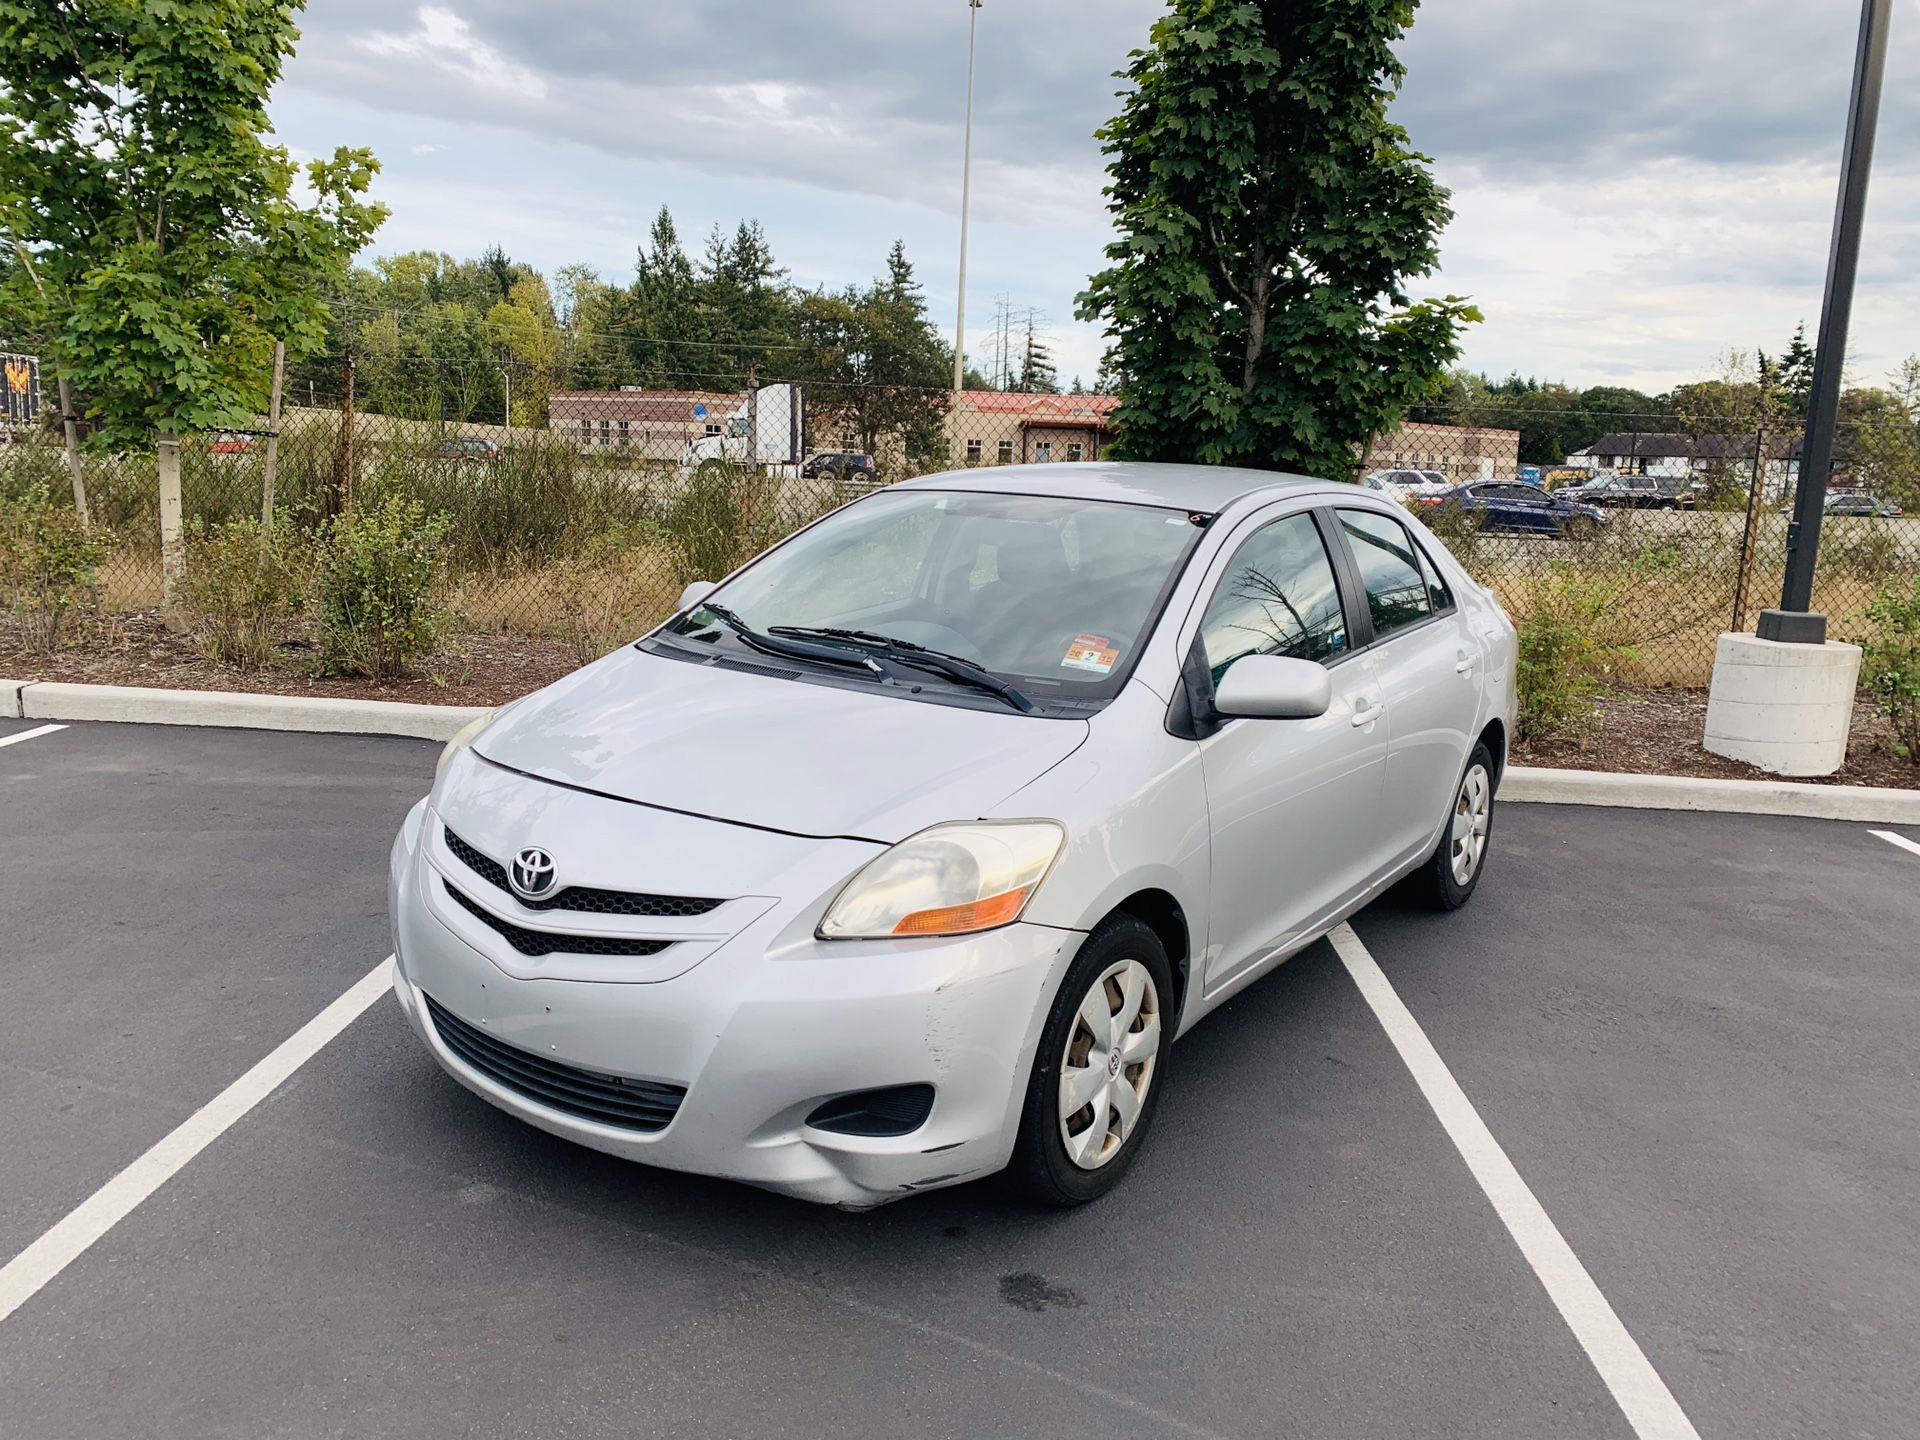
{"points": [[1091, 652]]}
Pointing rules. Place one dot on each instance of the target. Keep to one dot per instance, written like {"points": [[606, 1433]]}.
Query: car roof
{"points": [[1201, 488]]}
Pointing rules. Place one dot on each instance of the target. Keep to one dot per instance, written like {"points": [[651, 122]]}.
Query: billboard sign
{"points": [[22, 374]]}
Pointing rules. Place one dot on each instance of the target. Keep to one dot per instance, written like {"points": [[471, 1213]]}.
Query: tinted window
{"points": [[1278, 597], [1389, 569]]}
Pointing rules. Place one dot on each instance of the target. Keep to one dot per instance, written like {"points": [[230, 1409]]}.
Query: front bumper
{"points": [[761, 1029]]}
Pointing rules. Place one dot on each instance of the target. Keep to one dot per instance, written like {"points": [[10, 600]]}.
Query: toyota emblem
{"points": [[532, 873]]}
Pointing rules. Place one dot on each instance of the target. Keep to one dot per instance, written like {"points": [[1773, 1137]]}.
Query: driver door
{"points": [[1294, 804]]}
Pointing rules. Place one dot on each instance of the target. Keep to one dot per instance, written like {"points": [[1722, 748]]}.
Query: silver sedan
{"points": [[902, 856]]}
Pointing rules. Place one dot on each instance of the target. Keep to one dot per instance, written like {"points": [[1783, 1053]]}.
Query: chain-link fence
{"points": [[576, 527]]}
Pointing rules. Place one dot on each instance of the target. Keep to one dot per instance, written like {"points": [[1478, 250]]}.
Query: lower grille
{"points": [[546, 942], [644, 1105]]}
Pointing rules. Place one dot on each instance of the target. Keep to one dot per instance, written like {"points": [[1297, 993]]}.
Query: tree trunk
{"points": [[74, 472], [173, 545], [273, 443], [1256, 330]]}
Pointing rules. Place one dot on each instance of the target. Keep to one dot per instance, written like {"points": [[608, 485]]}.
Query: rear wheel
{"points": [[1096, 1077], [1458, 860]]}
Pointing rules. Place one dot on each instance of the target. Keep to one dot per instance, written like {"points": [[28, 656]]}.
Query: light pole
{"points": [[966, 198], [1796, 620]]}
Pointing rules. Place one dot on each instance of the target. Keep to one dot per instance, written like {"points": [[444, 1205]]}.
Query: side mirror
{"points": [[696, 591], [1274, 687]]}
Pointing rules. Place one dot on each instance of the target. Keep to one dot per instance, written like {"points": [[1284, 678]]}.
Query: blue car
{"points": [[1520, 509]]}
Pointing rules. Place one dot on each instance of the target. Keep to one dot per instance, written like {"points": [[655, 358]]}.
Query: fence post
{"points": [[334, 500], [1748, 534], [74, 472], [273, 442], [173, 548]]}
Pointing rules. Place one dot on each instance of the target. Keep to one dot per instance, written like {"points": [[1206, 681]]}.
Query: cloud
{"points": [[446, 42], [1637, 185], [424, 149]]}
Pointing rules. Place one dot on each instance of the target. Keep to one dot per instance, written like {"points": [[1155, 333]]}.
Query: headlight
{"points": [[464, 737], [950, 880]]}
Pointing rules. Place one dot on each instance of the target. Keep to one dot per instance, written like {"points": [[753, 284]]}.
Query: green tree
{"points": [[1038, 374], [1270, 216], [875, 366], [1795, 377], [667, 325], [167, 247]]}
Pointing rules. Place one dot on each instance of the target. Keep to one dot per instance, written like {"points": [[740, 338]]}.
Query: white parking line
{"points": [[6, 740], [1636, 1386], [23, 1276], [1900, 840]]}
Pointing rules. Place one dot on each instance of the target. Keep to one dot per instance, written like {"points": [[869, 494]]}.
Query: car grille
{"points": [[582, 898], [545, 942], [645, 1105]]}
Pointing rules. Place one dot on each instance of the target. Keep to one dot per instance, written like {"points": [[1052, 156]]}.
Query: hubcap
{"points": [[1108, 1064], [1472, 813]]}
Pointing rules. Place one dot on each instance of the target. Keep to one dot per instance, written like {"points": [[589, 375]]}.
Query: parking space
{"points": [[1686, 1032]]}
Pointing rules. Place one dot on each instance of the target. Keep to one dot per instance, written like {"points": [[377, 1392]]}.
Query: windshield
{"points": [[1052, 595]]}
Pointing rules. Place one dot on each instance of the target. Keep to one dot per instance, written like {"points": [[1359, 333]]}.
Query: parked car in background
{"points": [[1405, 486], [1855, 503], [854, 465], [1514, 508], [1634, 492], [866, 873], [466, 447], [232, 442]]}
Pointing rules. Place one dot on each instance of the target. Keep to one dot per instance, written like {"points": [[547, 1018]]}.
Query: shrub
{"points": [[1566, 651], [49, 563], [707, 522], [378, 568], [243, 588], [1890, 662]]}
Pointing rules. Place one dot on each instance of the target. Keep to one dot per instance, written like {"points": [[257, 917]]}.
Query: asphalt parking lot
{"points": [[1691, 1034]]}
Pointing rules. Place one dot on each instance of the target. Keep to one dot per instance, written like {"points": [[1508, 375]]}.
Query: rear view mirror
{"points": [[696, 591], [1273, 687]]}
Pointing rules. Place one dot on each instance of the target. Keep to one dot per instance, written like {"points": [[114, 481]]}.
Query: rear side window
{"points": [[1278, 597], [1397, 593]]}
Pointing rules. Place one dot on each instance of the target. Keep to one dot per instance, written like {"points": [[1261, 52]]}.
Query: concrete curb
{"points": [[25, 699], [1737, 797], [51, 701]]}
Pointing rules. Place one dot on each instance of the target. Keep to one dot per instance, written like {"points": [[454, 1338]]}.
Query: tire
{"points": [[1460, 859], [1044, 1166]]}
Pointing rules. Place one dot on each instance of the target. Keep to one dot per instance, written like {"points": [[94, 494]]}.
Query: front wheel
{"points": [[1096, 1077], [1460, 857]]}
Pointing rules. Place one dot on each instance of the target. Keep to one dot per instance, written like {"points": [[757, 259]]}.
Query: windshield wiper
{"points": [[776, 644], [906, 652]]}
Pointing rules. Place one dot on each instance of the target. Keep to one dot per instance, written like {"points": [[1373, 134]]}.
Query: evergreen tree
{"points": [[1795, 372], [667, 324]]}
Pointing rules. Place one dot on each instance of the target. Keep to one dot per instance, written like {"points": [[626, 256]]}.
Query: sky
{"points": [[1639, 186]]}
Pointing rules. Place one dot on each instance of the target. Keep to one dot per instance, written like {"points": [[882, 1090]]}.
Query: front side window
{"points": [[1397, 594], [1278, 597], [1054, 595]]}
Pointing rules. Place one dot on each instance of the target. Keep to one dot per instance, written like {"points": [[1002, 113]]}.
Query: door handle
{"points": [[1465, 667], [1368, 716]]}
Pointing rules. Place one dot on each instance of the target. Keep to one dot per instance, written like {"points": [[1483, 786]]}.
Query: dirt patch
{"points": [[139, 649], [1657, 732]]}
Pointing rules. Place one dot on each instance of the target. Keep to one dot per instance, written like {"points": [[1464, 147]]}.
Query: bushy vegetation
{"points": [[49, 563], [1569, 649], [245, 588], [378, 570], [1889, 640]]}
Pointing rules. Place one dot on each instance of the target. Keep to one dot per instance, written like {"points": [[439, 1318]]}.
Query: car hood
{"points": [[787, 755]]}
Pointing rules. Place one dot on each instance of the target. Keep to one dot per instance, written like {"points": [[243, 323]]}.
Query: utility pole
{"points": [[1796, 620], [966, 200]]}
